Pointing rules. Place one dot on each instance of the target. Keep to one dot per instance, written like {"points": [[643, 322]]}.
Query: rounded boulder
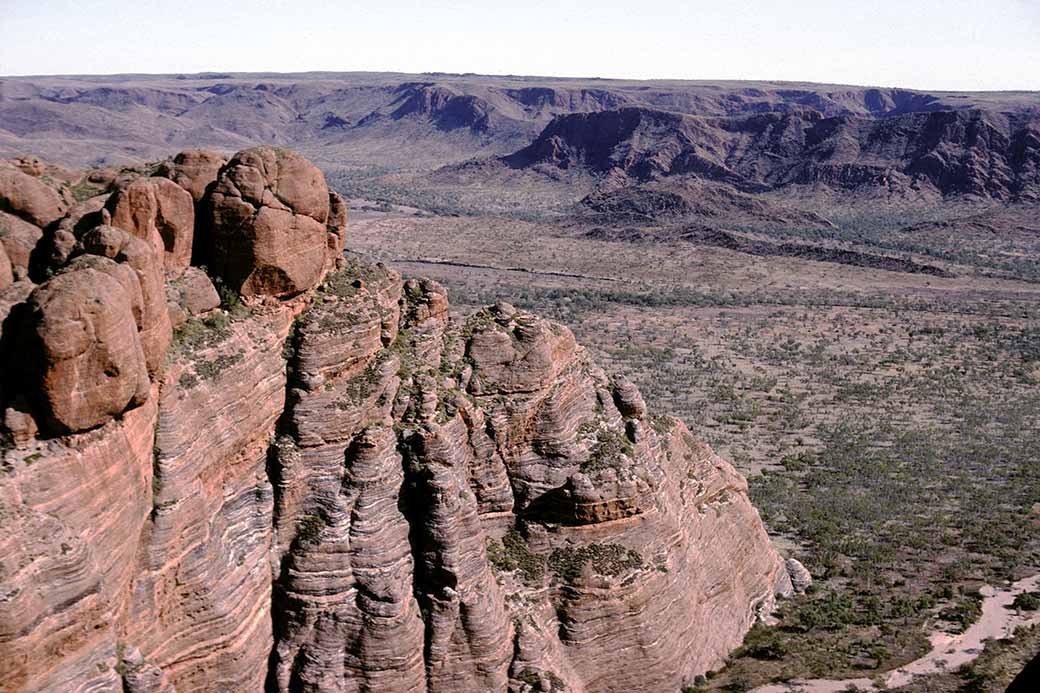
{"points": [[29, 198], [194, 170], [85, 364], [161, 212], [267, 216]]}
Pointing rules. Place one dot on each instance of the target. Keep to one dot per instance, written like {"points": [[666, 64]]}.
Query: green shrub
{"points": [[1027, 601], [605, 559], [512, 554]]}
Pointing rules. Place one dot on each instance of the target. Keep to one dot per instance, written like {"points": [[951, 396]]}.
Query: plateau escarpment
{"points": [[234, 459], [935, 154], [424, 120]]}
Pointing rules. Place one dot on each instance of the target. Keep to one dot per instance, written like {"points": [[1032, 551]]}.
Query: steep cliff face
{"points": [[334, 486], [971, 152]]}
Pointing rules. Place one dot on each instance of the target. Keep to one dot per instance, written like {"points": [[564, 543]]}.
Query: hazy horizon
{"points": [[963, 45]]}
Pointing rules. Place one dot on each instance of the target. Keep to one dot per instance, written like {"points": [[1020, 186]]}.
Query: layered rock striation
{"points": [[294, 471]]}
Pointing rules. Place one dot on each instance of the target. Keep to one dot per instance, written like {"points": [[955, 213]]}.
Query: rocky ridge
{"points": [[934, 154], [234, 459], [378, 118]]}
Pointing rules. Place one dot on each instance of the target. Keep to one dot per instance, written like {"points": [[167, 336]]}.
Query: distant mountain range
{"points": [[750, 136]]}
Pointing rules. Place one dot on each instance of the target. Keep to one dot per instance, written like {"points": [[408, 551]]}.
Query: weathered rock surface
{"points": [[80, 346], [85, 215], [194, 170], [191, 294], [73, 512], [201, 609], [527, 500], [38, 168], [267, 223], [153, 322], [345, 489], [19, 238], [160, 212], [336, 227], [29, 197]]}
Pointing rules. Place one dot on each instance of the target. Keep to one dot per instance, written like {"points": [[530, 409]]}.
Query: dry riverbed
{"points": [[998, 620]]}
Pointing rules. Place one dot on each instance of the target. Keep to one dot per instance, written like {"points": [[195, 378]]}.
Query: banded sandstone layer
{"points": [[299, 474]]}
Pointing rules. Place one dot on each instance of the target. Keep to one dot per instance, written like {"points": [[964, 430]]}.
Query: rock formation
{"points": [[80, 345], [972, 152], [324, 482], [194, 170], [27, 196], [267, 221], [19, 237], [160, 212]]}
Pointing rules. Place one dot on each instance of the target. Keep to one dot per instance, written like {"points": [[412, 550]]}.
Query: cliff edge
{"points": [[236, 460]]}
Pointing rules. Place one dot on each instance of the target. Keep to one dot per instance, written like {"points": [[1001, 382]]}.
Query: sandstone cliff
{"points": [[299, 473]]}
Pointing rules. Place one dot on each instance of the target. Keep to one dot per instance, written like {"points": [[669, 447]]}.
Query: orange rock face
{"points": [[81, 345], [194, 170], [29, 198], [160, 212], [267, 224], [342, 490]]}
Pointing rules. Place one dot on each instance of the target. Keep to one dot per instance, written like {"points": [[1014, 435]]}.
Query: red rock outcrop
{"points": [[336, 226], [194, 170], [343, 490], [189, 295], [530, 496], [38, 168], [159, 211], [267, 223], [19, 238], [153, 321], [29, 197], [81, 348], [73, 512], [201, 608]]}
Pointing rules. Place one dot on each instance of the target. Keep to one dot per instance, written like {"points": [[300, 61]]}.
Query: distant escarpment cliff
{"points": [[235, 459], [935, 154], [753, 133]]}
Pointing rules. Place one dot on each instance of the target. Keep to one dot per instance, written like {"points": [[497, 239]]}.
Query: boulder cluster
{"points": [[92, 285]]}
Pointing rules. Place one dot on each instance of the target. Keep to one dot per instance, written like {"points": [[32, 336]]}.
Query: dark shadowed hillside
{"points": [[941, 153]]}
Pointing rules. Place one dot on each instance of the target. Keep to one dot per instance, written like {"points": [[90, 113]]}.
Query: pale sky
{"points": [[923, 44]]}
